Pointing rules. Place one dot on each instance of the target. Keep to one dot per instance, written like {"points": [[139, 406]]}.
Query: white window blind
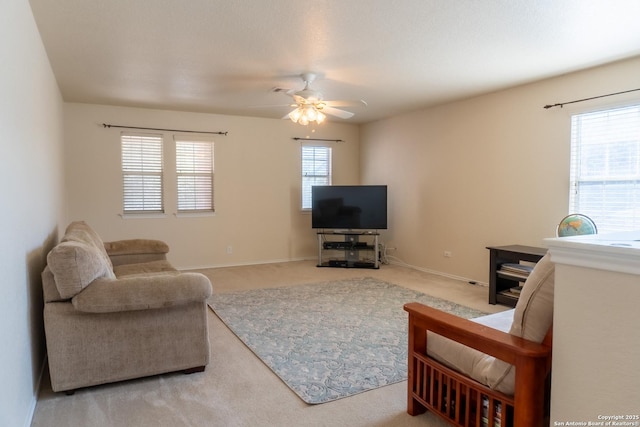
{"points": [[142, 173], [316, 170], [605, 167], [194, 170]]}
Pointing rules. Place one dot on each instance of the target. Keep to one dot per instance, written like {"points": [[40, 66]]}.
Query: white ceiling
{"points": [[225, 56]]}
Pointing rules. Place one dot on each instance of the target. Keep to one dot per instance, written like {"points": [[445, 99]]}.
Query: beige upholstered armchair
{"points": [[492, 371], [132, 317]]}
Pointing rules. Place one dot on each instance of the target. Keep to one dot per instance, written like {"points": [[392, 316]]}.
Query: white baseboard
{"points": [[439, 273], [390, 261], [34, 400], [242, 264]]}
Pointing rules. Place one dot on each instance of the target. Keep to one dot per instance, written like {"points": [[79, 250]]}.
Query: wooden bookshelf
{"points": [[502, 281]]}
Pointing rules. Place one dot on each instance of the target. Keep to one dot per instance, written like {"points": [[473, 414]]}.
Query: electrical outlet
{"points": [[447, 254], [229, 250]]}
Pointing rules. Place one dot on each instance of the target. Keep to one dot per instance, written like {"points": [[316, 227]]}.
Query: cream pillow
{"points": [[531, 320], [80, 231], [75, 265]]}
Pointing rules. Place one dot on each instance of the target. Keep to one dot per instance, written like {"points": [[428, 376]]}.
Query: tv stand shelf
{"points": [[348, 249]]}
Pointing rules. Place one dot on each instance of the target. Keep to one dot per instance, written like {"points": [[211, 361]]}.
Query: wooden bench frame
{"points": [[462, 401]]}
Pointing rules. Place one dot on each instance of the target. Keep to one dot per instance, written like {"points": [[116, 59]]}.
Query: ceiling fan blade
{"points": [[307, 98], [343, 103], [283, 90], [337, 112], [272, 106], [301, 100]]}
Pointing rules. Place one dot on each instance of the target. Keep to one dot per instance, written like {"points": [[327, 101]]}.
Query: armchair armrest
{"points": [[142, 292], [498, 344], [136, 250]]}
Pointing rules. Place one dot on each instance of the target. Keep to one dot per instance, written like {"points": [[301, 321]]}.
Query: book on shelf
{"points": [[517, 268], [514, 276], [519, 271], [497, 415], [512, 292], [516, 290]]}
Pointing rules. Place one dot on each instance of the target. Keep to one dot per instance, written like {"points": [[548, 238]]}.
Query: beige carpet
{"points": [[237, 389]]}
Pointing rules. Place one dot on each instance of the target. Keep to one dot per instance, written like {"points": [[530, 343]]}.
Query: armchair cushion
{"points": [[534, 311], [80, 231], [532, 318], [142, 292], [75, 264], [144, 268], [136, 246], [469, 361]]}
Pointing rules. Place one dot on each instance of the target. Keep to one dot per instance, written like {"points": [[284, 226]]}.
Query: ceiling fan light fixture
{"points": [[295, 115], [305, 114], [310, 113], [310, 106]]}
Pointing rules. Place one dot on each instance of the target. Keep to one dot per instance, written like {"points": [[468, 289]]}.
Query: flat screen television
{"points": [[349, 207]]}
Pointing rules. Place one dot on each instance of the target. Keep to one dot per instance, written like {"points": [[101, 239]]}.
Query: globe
{"points": [[576, 225]]}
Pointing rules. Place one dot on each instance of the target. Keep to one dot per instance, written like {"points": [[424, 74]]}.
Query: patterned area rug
{"points": [[328, 340]]}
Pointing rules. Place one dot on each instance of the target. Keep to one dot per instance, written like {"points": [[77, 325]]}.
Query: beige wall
{"points": [[491, 170], [257, 184], [596, 346], [31, 195]]}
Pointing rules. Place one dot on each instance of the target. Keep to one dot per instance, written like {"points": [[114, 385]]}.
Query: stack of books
{"points": [[497, 419], [514, 292], [518, 271]]}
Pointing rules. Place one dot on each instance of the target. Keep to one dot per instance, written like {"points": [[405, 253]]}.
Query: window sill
{"points": [[194, 214], [143, 216]]}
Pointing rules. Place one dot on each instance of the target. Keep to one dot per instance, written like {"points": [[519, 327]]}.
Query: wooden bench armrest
{"points": [[483, 338]]}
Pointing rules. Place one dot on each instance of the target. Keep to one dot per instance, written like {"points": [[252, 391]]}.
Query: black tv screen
{"points": [[352, 207]]}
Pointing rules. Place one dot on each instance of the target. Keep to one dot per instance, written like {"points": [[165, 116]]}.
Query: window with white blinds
{"points": [[194, 170], [316, 170], [605, 167], [142, 173]]}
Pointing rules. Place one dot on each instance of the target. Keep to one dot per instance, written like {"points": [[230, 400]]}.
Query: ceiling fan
{"points": [[309, 105]]}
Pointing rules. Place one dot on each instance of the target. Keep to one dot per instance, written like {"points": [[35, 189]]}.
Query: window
{"points": [[605, 167], [194, 169], [142, 173], [316, 170]]}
